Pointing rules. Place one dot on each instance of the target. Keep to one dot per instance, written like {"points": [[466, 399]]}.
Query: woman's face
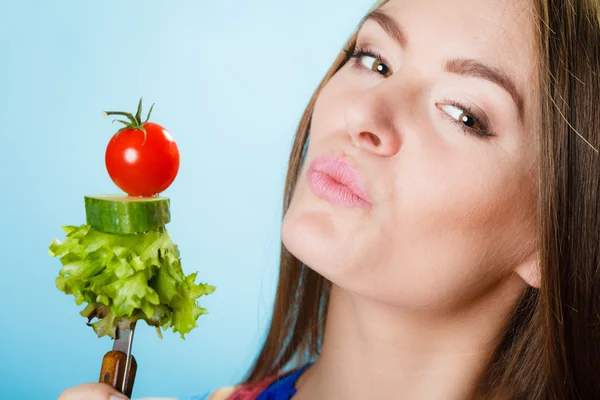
{"points": [[435, 113]]}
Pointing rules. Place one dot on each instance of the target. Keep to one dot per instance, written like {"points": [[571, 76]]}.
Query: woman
{"points": [[441, 237]]}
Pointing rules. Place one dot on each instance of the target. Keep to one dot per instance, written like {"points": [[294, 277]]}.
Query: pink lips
{"points": [[335, 180]]}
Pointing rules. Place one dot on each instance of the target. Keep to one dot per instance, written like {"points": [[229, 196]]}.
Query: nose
{"points": [[370, 123]]}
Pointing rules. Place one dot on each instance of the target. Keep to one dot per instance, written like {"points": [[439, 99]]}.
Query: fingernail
{"points": [[118, 397]]}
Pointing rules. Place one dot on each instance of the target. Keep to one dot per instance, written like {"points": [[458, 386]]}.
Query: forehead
{"points": [[500, 33]]}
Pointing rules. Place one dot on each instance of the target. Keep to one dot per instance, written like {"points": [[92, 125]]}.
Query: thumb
{"points": [[92, 391]]}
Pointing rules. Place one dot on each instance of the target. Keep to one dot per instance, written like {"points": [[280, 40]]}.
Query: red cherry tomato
{"points": [[142, 165]]}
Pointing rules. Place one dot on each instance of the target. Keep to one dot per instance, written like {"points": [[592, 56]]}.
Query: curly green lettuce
{"points": [[126, 278]]}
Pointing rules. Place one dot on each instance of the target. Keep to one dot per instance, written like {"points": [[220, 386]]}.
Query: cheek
{"points": [[455, 233], [329, 114]]}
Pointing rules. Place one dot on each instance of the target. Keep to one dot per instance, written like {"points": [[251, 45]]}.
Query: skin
{"points": [[425, 277], [102, 391]]}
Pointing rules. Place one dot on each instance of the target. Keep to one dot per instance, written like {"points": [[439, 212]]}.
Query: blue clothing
{"points": [[282, 389]]}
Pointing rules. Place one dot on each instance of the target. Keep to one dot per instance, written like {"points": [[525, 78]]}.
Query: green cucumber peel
{"points": [[121, 214]]}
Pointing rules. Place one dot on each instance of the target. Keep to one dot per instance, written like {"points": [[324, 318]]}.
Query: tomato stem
{"points": [[128, 115], [138, 114], [149, 112], [135, 121]]}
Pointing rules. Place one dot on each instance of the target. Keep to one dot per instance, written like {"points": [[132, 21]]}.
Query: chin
{"points": [[307, 234], [312, 237]]}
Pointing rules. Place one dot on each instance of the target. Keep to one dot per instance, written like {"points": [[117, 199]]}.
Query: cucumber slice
{"points": [[124, 214]]}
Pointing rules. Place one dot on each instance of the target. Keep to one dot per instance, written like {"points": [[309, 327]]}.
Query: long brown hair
{"points": [[551, 347]]}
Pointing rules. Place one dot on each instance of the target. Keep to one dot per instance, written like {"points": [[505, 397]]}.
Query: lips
{"points": [[333, 179]]}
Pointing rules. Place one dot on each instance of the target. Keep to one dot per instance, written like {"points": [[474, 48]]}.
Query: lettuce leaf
{"points": [[125, 278]]}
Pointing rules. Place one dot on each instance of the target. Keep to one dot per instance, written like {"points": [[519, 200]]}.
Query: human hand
{"points": [[92, 391]]}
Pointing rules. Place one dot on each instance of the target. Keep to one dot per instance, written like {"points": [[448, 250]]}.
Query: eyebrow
{"points": [[389, 25], [465, 67], [476, 69]]}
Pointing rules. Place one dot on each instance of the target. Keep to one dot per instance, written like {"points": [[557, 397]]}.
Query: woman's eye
{"points": [[464, 118], [375, 65]]}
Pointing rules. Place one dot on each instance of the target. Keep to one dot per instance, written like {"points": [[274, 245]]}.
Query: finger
{"points": [[92, 391]]}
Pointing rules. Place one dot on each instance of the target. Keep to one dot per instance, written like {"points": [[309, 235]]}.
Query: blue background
{"points": [[230, 80]]}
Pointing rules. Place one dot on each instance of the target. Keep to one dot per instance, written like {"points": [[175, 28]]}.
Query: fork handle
{"points": [[113, 371]]}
